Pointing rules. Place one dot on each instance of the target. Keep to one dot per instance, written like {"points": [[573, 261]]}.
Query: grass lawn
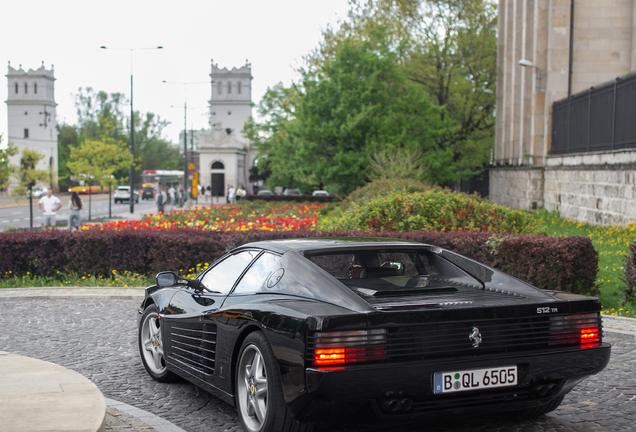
{"points": [[612, 243]]}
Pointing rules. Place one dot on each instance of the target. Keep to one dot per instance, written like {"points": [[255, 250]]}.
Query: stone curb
{"points": [[156, 422], [66, 293]]}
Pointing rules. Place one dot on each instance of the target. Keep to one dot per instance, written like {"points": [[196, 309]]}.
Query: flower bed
{"points": [[242, 217]]}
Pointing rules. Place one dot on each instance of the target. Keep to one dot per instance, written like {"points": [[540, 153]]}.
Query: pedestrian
{"points": [[208, 193], [182, 196], [227, 194], [231, 195], [171, 192], [75, 205], [162, 197], [240, 193], [49, 204]]}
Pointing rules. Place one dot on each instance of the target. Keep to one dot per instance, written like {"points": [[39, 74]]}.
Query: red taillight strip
{"points": [[348, 346], [582, 329]]}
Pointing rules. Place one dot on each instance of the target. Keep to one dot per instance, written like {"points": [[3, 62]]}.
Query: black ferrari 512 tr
{"points": [[287, 330]]}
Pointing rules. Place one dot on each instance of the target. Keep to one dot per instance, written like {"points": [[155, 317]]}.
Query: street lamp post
{"points": [[185, 134], [131, 146]]}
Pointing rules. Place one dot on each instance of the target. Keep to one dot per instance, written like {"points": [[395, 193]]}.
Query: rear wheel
{"points": [[151, 346], [259, 395]]}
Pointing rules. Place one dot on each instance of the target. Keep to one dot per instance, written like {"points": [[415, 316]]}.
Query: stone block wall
{"points": [[517, 187], [597, 188]]}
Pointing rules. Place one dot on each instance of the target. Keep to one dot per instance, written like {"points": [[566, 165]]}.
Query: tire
{"points": [[259, 395], [540, 410], [151, 348]]}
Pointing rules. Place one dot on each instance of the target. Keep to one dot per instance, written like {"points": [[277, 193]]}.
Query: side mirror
{"points": [[166, 279]]}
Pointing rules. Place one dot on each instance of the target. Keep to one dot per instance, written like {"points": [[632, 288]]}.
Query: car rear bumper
{"points": [[541, 377]]}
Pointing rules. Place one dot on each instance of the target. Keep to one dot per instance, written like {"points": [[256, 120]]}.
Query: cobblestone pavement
{"points": [[97, 338]]}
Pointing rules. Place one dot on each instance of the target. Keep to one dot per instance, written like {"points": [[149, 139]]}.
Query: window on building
{"points": [[239, 87], [26, 133], [220, 86], [26, 88], [217, 165], [35, 88], [229, 88], [16, 88]]}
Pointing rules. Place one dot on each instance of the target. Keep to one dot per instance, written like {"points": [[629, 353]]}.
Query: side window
{"points": [[256, 277], [221, 277]]}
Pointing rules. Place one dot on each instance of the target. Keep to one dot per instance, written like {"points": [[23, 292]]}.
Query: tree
{"points": [[5, 166], [98, 160], [67, 137], [101, 117], [355, 104], [28, 176], [449, 48]]}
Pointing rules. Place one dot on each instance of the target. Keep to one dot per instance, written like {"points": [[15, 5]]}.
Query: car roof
{"points": [[311, 246]]}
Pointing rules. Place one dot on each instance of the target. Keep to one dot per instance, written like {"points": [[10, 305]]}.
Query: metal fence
{"points": [[601, 118]]}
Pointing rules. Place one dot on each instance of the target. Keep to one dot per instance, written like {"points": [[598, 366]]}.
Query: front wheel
{"points": [[151, 346], [259, 395]]}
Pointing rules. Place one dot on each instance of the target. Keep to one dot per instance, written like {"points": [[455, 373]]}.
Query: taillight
{"points": [[343, 347], [590, 337], [582, 329]]}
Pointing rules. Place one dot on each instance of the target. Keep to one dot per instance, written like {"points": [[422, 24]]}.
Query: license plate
{"points": [[479, 379]]}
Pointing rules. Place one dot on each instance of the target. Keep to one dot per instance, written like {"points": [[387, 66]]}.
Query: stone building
{"points": [[549, 50], [225, 154], [31, 114]]}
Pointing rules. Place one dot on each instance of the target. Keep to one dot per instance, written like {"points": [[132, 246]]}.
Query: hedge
{"points": [[564, 263], [629, 289]]}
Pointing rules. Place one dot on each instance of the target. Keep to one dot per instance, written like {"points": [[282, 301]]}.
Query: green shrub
{"points": [[383, 187], [433, 210]]}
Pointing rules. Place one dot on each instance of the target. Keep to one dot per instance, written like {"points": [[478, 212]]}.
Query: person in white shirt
{"points": [[162, 197], [231, 195], [171, 192], [49, 204]]}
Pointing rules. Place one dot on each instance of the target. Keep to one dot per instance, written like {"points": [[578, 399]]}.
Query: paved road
{"points": [[97, 338], [14, 215]]}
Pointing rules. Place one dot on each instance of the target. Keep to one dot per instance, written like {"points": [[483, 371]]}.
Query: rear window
{"points": [[392, 270]]}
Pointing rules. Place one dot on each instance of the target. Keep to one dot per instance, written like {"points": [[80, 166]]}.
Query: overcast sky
{"points": [[272, 35]]}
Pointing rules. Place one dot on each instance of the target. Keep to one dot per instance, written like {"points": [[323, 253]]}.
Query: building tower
{"points": [[31, 114], [226, 155], [231, 100]]}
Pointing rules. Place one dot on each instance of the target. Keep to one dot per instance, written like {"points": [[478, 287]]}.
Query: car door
{"points": [[190, 329]]}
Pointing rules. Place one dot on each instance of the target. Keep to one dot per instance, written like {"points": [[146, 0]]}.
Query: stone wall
{"points": [[598, 188], [517, 187]]}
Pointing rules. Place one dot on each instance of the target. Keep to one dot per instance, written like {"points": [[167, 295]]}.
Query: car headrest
{"points": [[378, 272]]}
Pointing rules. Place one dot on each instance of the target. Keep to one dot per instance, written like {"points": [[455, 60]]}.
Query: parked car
{"points": [[320, 193], [148, 192], [122, 193], [37, 191], [290, 191], [289, 330], [265, 192]]}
